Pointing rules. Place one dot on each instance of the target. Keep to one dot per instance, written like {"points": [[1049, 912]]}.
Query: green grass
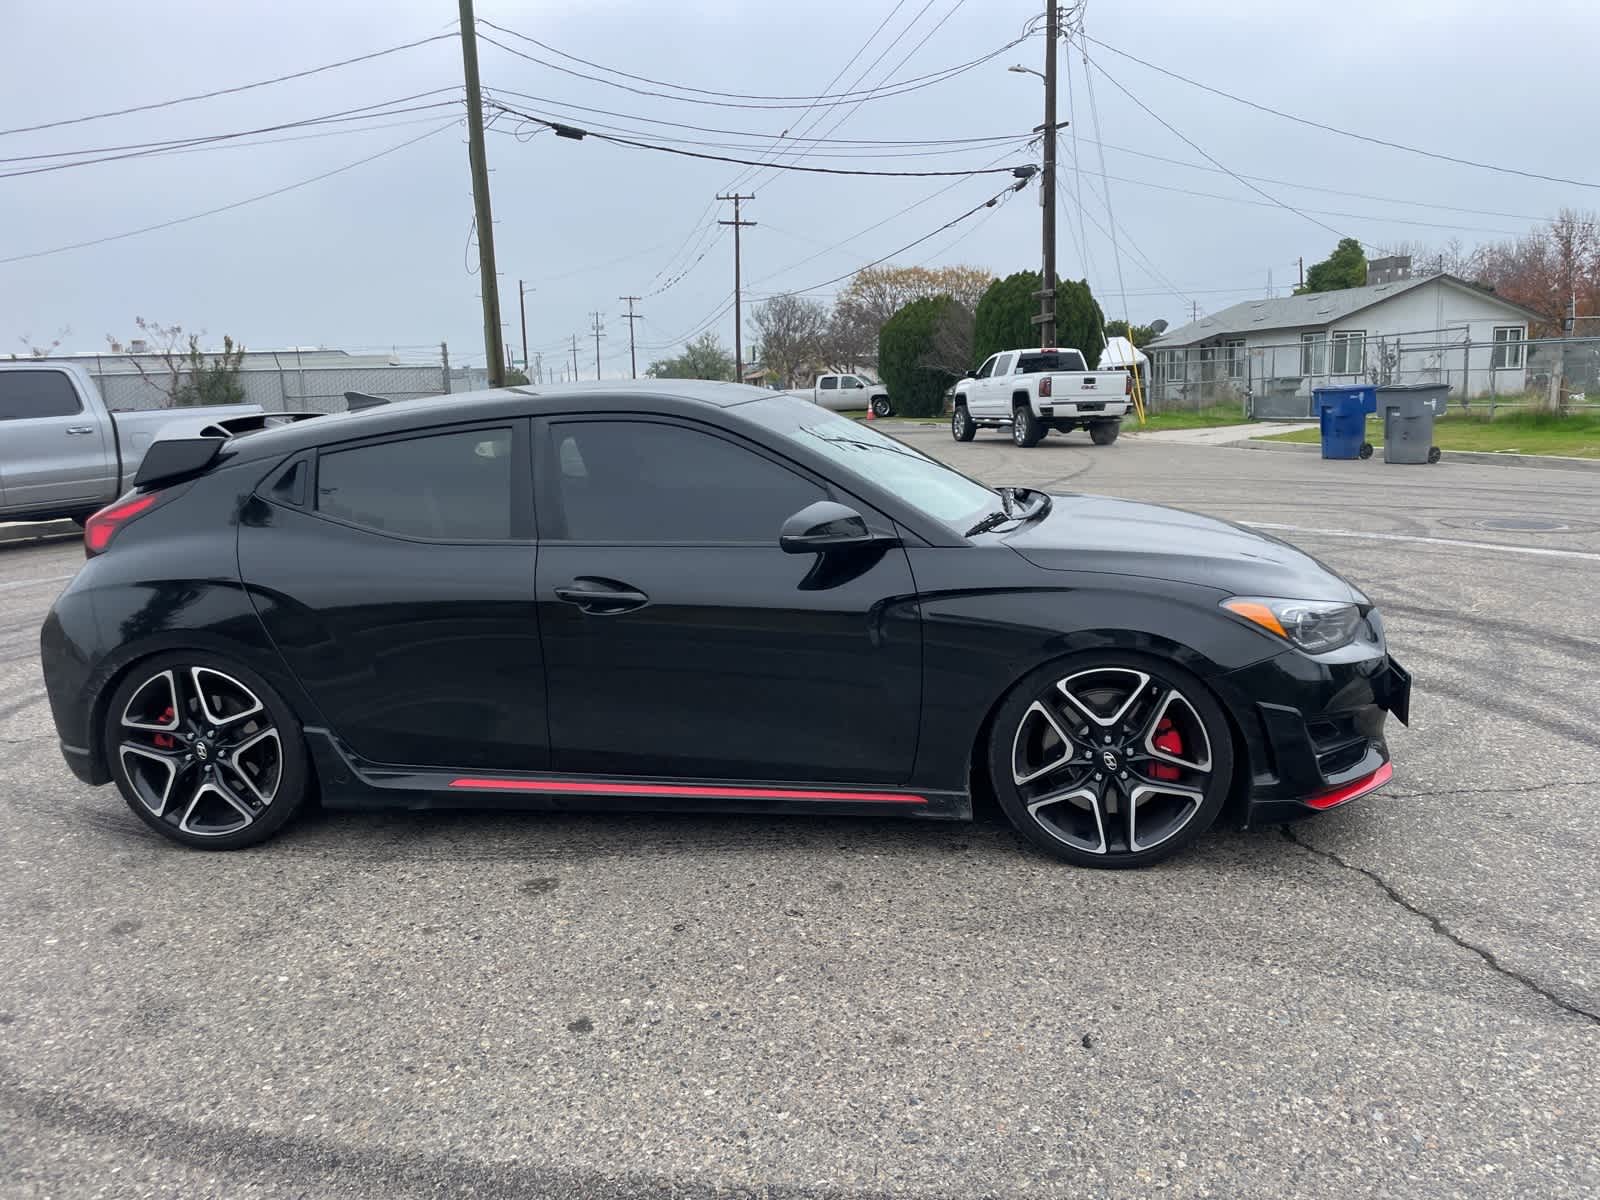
{"points": [[1574, 436], [1189, 418]]}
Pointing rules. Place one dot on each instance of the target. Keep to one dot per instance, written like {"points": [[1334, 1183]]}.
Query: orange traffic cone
{"points": [[871, 416]]}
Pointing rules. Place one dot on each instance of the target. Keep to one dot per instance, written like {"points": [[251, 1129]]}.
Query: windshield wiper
{"points": [[991, 521], [1011, 502]]}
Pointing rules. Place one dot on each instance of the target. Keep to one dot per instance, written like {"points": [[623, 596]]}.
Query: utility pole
{"points": [[574, 357], [633, 362], [1302, 261], [444, 359], [1046, 319], [599, 332], [1194, 311], [538, 370], [522, 306], [738, 318], [488, 282]]}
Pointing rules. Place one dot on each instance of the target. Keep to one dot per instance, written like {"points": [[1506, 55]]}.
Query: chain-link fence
{"points": [[282, 381], [1274, 380]]}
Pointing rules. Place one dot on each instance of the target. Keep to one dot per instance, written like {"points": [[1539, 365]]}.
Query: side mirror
{"points": [[858, 384], [827, 525]]}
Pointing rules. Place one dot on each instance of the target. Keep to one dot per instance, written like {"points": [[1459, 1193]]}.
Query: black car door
{"points": [[395, 577], [680, 641]]}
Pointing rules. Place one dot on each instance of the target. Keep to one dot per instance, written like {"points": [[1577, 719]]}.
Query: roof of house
{"points": [[1312, 308]]}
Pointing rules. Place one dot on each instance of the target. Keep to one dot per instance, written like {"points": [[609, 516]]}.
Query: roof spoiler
{"points": [[174, 458], [356, 401]]}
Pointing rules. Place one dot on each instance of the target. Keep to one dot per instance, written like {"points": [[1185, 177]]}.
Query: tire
{"points": [[1025, 428], [961, 426], [1433, 454], [237, 786], [1365, 451], [881, 406], [1067, 790], [1103, 433]]}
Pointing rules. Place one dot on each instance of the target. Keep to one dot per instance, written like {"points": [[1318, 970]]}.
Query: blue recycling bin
{"points": [[1342, 413]]}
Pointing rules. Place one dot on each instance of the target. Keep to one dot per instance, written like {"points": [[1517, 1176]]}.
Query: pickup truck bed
{"points": [[62, 453]]}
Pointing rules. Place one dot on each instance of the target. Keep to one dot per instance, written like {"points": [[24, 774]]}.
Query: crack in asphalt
{"points": [[1494, 791], [1439, 927]]}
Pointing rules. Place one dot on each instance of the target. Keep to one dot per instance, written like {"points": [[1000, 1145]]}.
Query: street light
{"points": [[1022, 70]]}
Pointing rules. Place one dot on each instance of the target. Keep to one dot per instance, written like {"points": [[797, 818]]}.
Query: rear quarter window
{"points": [[444, 487]]}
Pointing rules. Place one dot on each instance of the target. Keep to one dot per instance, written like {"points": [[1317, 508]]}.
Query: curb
{"points": [[38, 531], [1547, 462]]}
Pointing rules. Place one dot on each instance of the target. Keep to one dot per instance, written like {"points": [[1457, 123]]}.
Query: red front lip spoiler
{"points": [[1349, 791]]}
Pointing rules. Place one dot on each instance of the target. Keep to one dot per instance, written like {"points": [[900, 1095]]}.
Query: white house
{"points": [[1433, 328]]}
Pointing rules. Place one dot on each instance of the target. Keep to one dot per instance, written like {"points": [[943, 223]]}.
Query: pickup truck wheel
{"points": [[1104, 433], [1025, 428], [880, 406], [205, 752], [961, 426]]}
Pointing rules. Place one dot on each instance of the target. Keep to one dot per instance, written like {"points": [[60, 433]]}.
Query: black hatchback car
{"points": [[692, 596]]}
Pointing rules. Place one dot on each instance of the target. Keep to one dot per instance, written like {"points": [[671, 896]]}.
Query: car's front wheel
{"points": [[205, 752], [1111, 759], [961, 426]]}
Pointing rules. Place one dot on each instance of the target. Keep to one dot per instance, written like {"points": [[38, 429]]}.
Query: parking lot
{"points": [[1401, 998]]}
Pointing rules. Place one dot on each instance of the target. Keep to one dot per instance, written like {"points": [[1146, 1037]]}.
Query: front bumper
{"points": [[1314, 729]]}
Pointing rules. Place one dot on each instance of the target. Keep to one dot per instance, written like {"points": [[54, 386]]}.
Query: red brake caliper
{"points": [[164, 741], [1169, 741]]}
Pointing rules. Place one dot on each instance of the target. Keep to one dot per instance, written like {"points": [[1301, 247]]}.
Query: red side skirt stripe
{"points": [[579, 788], [1351, 790]]}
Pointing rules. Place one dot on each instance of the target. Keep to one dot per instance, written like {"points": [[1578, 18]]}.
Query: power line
{"points": [[150, 149], [228, 207], [1360, 137], [779, 103], [229, 91], [638, 145], [1198, 149]]}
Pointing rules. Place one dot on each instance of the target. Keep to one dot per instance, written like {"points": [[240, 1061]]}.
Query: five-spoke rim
{"points": [[1112, 760], [200, 751], [958, 420]]}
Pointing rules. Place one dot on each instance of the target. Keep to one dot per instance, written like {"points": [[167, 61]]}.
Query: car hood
{"points": [[1123, 537]]}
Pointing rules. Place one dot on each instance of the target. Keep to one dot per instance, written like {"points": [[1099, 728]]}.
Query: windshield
{"points": [[929, 487], [1051, 360]]}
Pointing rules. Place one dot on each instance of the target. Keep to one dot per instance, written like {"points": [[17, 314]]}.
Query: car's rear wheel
{"points": [[1111, 759], [205, 752], [961, 426], [1025, 428], [1103, 433], [880, 406]]}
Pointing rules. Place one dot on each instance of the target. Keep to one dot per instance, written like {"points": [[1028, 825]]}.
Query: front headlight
{"points": [[1312, 625]]}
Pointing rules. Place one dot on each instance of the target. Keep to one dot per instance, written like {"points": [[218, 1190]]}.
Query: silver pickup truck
{"points": [[62, 452]]}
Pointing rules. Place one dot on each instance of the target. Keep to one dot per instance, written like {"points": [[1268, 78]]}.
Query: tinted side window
{"points": [[830, 383], [451, 486], [633, 481], [27, 394], [984, 371]]}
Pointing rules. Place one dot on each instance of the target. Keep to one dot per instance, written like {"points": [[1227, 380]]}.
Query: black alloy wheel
{"points": [[1025, 428], [205, 752], [961, 426], [881, 407], [1111, 760]]}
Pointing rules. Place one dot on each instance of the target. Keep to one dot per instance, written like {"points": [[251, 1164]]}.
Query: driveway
{"points": [[1401, 998]]}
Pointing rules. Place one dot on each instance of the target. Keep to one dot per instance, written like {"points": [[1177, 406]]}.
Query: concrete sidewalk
{"points": [[1216, 435]]}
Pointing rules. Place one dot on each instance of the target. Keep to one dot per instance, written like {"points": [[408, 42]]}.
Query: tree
{"points": [[950, 348], [875, 294], [703, 358], [1079, 321], [1004, 318], [906, 356], [792, 332], [184, 376], [1141, 337], [1346, 267]]}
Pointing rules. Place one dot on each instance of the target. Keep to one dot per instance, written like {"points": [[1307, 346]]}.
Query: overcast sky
{"points": [[378, 255]]}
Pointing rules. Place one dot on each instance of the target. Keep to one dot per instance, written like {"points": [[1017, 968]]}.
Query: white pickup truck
{"points": [[844, 392], [62, 453], [1032, 392]]}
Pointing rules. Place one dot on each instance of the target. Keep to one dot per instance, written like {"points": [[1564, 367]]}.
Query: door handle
{"points": [[601, 598], [71, 429]]}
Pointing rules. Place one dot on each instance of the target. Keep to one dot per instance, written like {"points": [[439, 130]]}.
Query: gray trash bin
{"points": [[1408, 412]]}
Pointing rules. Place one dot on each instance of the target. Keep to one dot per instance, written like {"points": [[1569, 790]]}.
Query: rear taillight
{"points": [[99, 529], [1127, 384], [1044, 386]]}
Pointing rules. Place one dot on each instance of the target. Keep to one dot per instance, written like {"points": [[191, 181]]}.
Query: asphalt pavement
{"points": [[1401, 998]]}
